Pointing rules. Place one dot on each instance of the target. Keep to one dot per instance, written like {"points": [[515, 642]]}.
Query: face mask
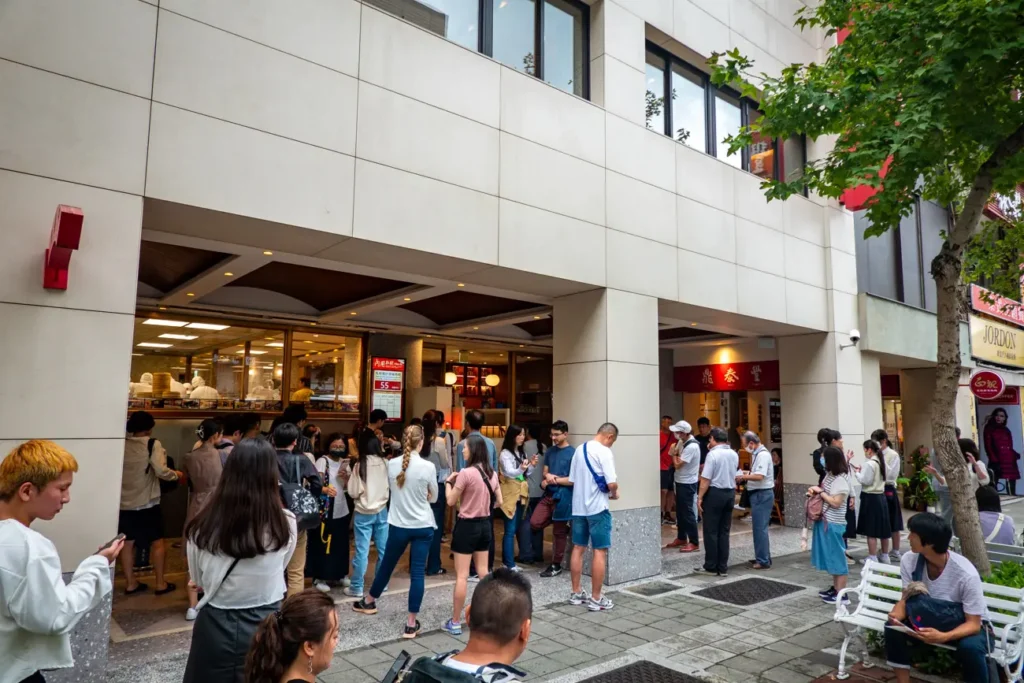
{"points": [[821, 459], [337, 453], [751, 448]]}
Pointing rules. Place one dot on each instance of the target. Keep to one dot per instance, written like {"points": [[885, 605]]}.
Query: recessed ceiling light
{"points": [[208, 326], [306, 356], [186, 337], [352, 313], [476, 328], [276, 345], [268, 253], [407, 299], [190, 294], [229, 274], [154, 345], [471, 353], [256, 353], [138, 354], [693, 324], [460, 285], [163, 308], [313, 324], [430, 335], [522, 346], [307, 341], [536, 317], [316, 335], [165, 323]]}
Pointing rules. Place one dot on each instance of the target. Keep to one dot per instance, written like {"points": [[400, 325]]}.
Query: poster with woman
{"points": [[1002, 439]]}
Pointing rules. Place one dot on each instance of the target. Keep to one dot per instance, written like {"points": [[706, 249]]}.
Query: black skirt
{"points": [[874, 516], [892, 502], [220, 641], [327, 550], [851, 523]]}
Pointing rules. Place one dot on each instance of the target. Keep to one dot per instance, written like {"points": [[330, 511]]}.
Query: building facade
{"points": [[297, 190]]}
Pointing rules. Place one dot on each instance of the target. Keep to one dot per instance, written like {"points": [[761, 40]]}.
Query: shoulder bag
{"points": [[165, 486], [300, 501], [602, 483]]}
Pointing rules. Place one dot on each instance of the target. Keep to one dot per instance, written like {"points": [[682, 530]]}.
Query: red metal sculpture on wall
{"points": [[65, 236]]}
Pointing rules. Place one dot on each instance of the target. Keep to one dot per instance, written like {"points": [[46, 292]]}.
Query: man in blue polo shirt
{"points": [[555, 507]]}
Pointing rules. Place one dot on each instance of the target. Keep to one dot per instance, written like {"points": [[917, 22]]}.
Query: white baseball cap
{"points": [[681, 426]]}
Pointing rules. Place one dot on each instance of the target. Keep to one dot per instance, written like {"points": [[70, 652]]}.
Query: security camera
{"points": [[854, 339]]}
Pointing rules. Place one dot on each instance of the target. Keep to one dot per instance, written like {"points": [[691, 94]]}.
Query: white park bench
{"points": [[881, 587], [997, 552]]}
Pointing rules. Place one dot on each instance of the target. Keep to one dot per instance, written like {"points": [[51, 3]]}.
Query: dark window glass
{"points": [[792, 158], [514, 32], [727, 122], [456, 20], [655, 97], [688, 119], [761, 153], [934, 222], [877, 260], [564, 60]]}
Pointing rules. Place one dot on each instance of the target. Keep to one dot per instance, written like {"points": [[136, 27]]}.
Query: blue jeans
{"points": [[366, 526], [970, 654], [531, 543], [438, 507], [508, 541], [761, 503], [686, 513], [398, 539], [593, 530]]}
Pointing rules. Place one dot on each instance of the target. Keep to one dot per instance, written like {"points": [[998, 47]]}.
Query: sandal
{"points": [[138, 589], [170, 589]]}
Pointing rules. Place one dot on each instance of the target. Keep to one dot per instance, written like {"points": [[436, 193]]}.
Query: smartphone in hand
{"points": [[115, 539]]}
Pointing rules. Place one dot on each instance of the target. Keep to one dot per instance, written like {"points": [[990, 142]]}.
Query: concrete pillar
{"points": [[617, 61], [606, 370], [400, 346], [671, 400]]}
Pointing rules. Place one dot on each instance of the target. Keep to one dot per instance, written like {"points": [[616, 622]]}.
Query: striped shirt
{"points": [[834, 486]]}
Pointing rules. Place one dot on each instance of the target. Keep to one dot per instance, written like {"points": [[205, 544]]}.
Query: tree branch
{"points": [[981, 192]]}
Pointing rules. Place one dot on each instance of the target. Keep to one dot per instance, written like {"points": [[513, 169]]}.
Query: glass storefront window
{"points": [[655, 97], [727, 122], [514, 32], [688, 121], [761, 153], [460, 19], [564, 61], [792, 158], [326, 371], [534, 383]]}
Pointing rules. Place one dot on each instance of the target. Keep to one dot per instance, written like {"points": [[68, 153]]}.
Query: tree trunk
{"points": [[946, 269]]}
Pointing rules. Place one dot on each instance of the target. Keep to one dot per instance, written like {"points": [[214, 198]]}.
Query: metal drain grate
{"points": [[644, 672], [748, 591], [652, 588]]}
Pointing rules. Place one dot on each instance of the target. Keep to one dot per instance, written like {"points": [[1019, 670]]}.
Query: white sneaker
{"points": [[321, 586], [895, 555], [515, 569], [352, 593], [600, 605], [345, 582], [884, 558], [578, 598], [191, 613]]}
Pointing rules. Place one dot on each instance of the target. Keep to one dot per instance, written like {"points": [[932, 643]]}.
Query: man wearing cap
{"points": [[686, 460]]}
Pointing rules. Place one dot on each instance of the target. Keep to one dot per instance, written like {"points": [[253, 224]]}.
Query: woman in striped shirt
{"points": [[828, 553]]}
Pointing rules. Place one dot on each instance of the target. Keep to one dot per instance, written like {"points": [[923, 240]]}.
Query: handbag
{"points": [[300, 501], [602, 483], [165, 486], [924, 611]]}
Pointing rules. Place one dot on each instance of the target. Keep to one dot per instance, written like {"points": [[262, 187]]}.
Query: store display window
{"points": [[326, 372]]}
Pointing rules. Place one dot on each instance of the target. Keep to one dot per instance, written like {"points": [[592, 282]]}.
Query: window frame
{"points": [[485, 44], [747, 107]]}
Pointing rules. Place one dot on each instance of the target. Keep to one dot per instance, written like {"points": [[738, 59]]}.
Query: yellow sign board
{"points": [[996, 343]]}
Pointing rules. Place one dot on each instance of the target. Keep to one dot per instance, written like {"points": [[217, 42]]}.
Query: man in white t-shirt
{"points": [[948, 576], [591, 521]]}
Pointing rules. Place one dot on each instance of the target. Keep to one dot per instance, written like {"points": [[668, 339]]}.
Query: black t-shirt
{"points": [[703, 442], [369, 444]]}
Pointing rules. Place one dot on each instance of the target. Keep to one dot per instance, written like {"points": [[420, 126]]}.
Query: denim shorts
{"points": [[595, 530]]}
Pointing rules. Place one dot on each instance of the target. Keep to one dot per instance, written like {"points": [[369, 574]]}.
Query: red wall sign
{"points": [[388, 376], [754, 376], [65, 235], [1001, 307], [987, 385], [1009, 397]]}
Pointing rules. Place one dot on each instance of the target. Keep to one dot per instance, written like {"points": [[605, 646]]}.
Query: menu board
{"points": [[388, 384]]}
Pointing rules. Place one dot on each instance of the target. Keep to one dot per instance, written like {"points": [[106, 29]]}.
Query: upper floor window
{"points": [[548, 39], [702, 116]]}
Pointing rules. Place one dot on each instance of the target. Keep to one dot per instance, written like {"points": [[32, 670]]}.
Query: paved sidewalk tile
{"points": [[352, 675], [711, 654], [783, 675], [366, 656], [572, 657], [600, 648]]}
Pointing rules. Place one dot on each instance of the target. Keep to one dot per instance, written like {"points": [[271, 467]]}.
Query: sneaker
{"points": [[191, 613], [831, 599], [411, 631], [689, 548], [578, 598], [345, 582], [473, 578], [364, 607], [827, 592], [515, 568], [321, 586], [552, 571], [895, 556], [739, 507], [600, 605], [850, 561], [351, 592], [452, 628], [884, 558]]}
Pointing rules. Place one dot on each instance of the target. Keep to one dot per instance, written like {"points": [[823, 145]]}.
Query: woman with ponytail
{"points": [[413, 481], [202, 469], [296, 643]]}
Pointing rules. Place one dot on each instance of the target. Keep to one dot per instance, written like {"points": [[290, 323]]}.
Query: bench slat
{"points": [[875, 591], [1005, 591]]}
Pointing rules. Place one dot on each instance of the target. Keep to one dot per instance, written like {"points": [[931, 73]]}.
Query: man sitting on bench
{"points": [[950, 577]]}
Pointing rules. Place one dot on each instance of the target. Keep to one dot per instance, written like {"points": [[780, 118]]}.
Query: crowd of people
{"points": [[267, 512]]}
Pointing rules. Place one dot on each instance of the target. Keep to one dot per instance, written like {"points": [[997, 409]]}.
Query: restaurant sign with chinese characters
{"points": [[753, 376]]}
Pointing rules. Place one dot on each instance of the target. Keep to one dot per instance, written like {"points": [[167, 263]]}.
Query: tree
{"points": [[923, 97]]}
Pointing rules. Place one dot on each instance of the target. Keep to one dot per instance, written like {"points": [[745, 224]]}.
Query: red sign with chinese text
{"points": [[1009, 397], [388, 376], [394, 364], [753, 376], [1000, 307], [987, 385]]}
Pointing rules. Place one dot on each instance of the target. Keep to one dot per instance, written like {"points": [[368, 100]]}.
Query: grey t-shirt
{"points": [[958, 582], [721, 466], [536, 475]]}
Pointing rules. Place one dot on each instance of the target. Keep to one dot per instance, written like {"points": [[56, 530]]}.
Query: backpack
{"points": [[814, 508], [300, 501], [431, 670], [165, 486]]}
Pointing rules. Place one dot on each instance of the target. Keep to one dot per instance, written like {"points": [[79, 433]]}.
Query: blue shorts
{"points": [[595, 530]]}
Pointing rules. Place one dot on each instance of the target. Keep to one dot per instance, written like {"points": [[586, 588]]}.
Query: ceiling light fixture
{"points": [[268, 253], [208, 326], [476, 328], [190, 294], [185, 337], [313, 324], [407, 299], [165, 323], [256, 353], [536, 317], [154, 345], [693, 324], [276, 345], [163, 308], [308, 341], [460, 285], [229, 274], [352, 313]]}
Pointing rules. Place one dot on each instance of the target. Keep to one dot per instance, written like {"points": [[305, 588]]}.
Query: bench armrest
{"points": [[1012, 662]]}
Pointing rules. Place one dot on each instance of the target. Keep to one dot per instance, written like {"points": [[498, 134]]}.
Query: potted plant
{"points": [[918, 492]]}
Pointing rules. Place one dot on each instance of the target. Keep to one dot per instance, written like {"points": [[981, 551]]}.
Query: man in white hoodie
{"points": [[40, 610]]}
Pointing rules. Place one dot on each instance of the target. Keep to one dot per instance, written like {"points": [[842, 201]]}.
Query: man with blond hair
{"points": [[40, 610]]}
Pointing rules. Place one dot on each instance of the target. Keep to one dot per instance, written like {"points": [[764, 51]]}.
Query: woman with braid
{"points": [[413, 482]]}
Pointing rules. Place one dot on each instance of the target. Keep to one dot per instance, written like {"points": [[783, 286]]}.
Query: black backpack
{"points": [[165, 486], [431, 670]]}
